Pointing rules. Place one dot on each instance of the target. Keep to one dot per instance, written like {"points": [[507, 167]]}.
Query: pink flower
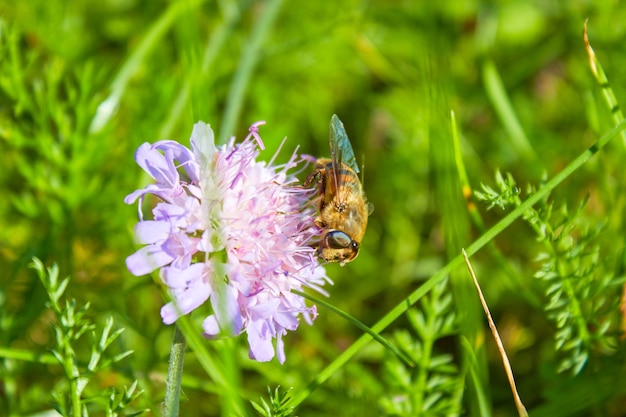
{"points": [[232, 231]]}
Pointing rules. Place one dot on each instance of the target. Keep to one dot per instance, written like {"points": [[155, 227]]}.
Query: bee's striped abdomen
{"points": [[346, 178]]}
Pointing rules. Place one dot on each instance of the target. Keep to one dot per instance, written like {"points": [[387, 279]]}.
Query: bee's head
{"points": [[338, 246]]}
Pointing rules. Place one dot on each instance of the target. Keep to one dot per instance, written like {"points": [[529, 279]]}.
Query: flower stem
{"points": [[250, 56], [174, 374], [74, 392]]}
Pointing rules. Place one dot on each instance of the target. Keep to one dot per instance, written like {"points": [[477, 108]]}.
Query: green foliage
{"points": [[277, 406], [70, 325], [506, 195], [82, 84], [433, 385], [46, 122], [581, 290]]}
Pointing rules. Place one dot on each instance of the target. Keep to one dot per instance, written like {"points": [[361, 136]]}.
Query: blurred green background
{"points": [[83, 83]]}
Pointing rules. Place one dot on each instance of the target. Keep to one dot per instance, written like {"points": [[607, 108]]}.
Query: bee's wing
{"points": [[340, 152], [340, 146]]}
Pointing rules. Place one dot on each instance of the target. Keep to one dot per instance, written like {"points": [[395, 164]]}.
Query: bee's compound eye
{"points": [[338, 240]]}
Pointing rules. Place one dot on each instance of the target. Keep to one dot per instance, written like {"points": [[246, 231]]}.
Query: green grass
{"points": [[83, 84]]}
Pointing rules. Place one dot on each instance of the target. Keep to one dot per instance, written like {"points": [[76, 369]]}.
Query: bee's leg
{"points": [[317, 176]]}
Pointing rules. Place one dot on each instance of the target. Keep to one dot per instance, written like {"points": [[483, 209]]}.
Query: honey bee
{"points": [[343, 209]]}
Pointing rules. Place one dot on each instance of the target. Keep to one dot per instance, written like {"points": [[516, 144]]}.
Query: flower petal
{"points": [[280, 347], [287, 319], [203, 143], [186, 301], [176, 278], [226, 308], [210, 326], [151, 231], [264, 310], [260, 341], [147, 259], [155, 163]]}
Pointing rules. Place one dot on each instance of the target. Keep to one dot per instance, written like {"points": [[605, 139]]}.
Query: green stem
{"points": [[174, 375], [76, 406], [515, 279], [232, 397], [421, 389], [574, 303], [217, 40], [27, 356], [249, 58], [403, 357], [69, 364], [151, 40], [503, 107], [215, 369], [598, 72]]}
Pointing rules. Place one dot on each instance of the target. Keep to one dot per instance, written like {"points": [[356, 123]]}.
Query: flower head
{"points": [[232, 231]]}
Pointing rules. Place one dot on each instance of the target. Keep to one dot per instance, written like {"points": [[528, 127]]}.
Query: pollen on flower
{"points": [[230, 231]]}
